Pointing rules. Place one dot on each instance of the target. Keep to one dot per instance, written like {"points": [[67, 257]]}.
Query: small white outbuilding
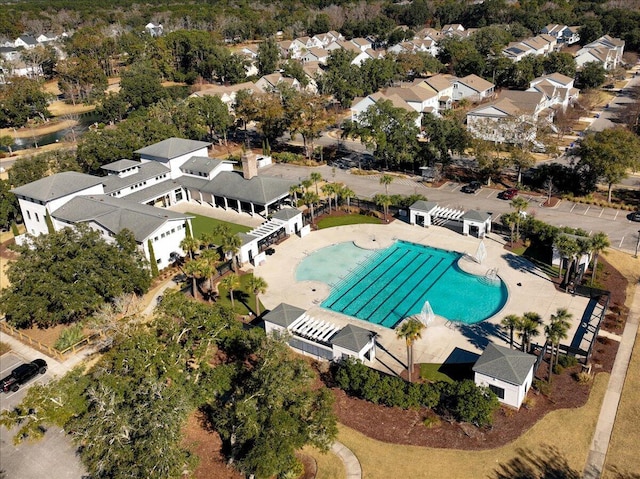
{"points": [[507, 372]]}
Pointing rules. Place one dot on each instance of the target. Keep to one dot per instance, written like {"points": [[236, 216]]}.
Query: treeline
{"points": [[239, 21]]}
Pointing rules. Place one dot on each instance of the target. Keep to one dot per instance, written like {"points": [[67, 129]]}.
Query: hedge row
{"points": [[458, 400]]}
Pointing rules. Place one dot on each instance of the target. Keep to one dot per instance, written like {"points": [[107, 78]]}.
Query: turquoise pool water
{"points": [[385, 286]]}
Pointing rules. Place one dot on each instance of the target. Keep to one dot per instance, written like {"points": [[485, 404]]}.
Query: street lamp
{"points": [[637, 245]]}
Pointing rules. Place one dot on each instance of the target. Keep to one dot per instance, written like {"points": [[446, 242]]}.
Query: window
{"points": [[162, 235], [497, 391], [155, 238], [158, 261], [173, 230], [28, 214], [37, 217]]}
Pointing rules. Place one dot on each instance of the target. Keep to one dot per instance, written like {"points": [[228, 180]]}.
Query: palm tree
{"points": [[221, 230], [315, 177], [306, 184], [384, 201], [347, 193], [599, 242], [211, 257], [567, 247], [386, 181], [230, 283], [231, 245], [519, 204], [259, 286], [310, 198], [555, 332], [528, 328], [410, 331], [329, 189], [510, 323], [190, 245], [195, 269], [294, 190]]}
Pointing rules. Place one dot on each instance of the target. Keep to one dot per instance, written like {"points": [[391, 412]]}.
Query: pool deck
{"points": [[529, 290]]}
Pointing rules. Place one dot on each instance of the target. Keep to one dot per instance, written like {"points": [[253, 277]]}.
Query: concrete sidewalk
{"points": [[602, 435], [349, 459]]}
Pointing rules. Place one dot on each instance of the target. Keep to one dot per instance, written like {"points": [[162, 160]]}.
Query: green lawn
{"points": [[204, 224], [430, 372], [244, 300], [347, 220]]}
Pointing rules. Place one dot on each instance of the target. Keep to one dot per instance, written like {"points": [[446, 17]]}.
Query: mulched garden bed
{"points": [[398, 426]]}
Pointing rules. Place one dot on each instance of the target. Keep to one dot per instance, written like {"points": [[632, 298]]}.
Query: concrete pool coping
{"points": [[529, 289]]}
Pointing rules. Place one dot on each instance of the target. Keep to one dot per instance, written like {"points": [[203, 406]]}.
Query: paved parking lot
{"points": [[52, 456], [8, 362]]}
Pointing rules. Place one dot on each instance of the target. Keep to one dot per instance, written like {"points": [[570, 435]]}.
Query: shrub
{"points": [[69, 336], [529, 402], [431, 422], [467, 402], [567, 361], [542, 387], [288, 157], [583, 377]]}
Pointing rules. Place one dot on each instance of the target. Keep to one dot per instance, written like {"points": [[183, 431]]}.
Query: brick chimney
{"points": [[249, 165]]}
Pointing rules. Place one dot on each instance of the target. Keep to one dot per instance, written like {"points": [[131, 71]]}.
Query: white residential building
{"points": [[473, 88], [512, 118], [562, 33], [605, 50], [558, 89]]}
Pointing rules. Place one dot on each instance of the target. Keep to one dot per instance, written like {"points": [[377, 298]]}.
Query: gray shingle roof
{"points": [[508, 365], [116, 214], [259, 190], [286, 214], [202, 164], [352, 338], [172, 148], [475, 215], [120, 165], [283, 315], [146, 171], [425, 206], [154, 191], [192, 182], [57, 186]]}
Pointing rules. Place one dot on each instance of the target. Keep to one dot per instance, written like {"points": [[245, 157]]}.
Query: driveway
{"points": [[34, 460]]}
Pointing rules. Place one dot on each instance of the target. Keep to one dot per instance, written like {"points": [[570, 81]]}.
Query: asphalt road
{"points": [[622, 232], [621, 98], [52, 456]]}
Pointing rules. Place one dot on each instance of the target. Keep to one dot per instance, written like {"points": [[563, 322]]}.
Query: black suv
{"points": [[471, 187], [22, 374]]}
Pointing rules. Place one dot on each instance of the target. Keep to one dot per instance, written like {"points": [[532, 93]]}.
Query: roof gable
{"points": [[116, 214], [505, 364], [352, 338], [284, 314], [57, 186], [172, 148]]}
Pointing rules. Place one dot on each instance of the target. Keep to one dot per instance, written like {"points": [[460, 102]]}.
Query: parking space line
{"points": [[616, 215], [490, 193], [585, 211], [574, 205], [620, 245]]}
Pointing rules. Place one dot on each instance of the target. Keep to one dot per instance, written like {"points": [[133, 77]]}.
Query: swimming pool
{"points": [[385, 286]]}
